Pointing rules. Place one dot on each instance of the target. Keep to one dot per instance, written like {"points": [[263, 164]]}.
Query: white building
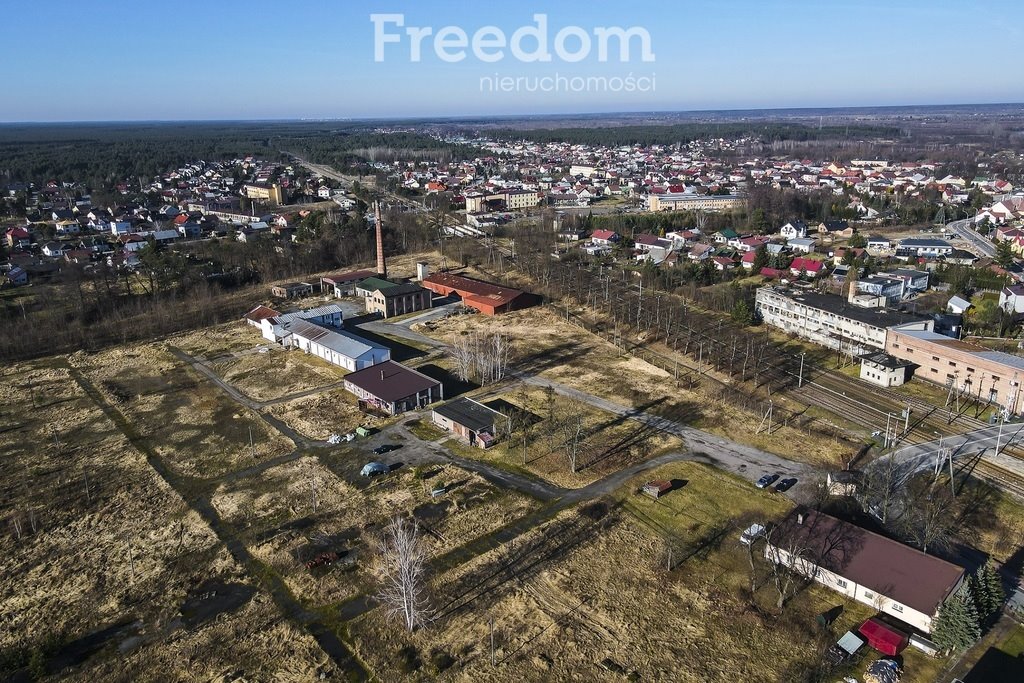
{"points": [[273, 328], [337, 347], [831, 320], [886, 575]]}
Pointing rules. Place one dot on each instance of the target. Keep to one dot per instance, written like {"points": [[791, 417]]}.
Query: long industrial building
{"points": [[831, 320]]}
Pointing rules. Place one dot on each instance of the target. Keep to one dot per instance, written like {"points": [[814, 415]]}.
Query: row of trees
{"points": [[965, 615]]}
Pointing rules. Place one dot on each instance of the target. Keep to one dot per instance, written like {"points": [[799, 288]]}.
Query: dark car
{"points": [[766, 481], [785, 485], [386, 448]]}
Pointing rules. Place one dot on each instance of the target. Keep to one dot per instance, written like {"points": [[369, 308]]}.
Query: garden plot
{"points": [[189, 422]]}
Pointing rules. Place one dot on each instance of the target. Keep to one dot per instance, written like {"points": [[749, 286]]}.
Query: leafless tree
{"points": [[403, 593], [569, 420], [929, 516], [882, 490], [483, 358]]}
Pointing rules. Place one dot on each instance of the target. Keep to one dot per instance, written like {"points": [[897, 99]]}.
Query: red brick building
{"points": [[485, 297]]}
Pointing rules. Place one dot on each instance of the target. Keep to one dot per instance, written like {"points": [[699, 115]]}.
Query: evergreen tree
{"points": [[741, 313], [957, 626], [760, 259], [1004, 254], [987, 591]]}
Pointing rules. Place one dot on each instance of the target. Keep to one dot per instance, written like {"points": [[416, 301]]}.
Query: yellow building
{"points": [[271, 194]]}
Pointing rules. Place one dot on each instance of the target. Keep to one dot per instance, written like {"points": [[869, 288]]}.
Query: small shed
{"points": [[471, 420], [882, 369], [291, 290], [657, 488], [885, 638], [844, 482]]}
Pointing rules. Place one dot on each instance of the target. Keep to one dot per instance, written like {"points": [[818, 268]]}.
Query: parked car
{"points": [[752, 533], [766, 481], [373, 469], [386, 448], [785, 485]]}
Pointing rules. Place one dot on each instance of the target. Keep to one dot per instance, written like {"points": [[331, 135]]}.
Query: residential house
{"points": [[723, 236], [700, 252], [895, 579], [802, 245], [835, 230], [723, 263], [793, 230], [18, 238], [805, 266], [958, 305], [652, 248], [392, 388], [1011, 299], [605, 237], [53, 249], [16, 276], [876, 243], [925, 247]]}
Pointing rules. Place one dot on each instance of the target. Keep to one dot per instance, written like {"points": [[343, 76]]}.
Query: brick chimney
{"points": [[382, 269]]}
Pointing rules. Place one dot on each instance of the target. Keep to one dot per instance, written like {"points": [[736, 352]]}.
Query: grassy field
{"points": [[605, 608], [320, 415], [190, 421], [291, 513], [609, 442]]}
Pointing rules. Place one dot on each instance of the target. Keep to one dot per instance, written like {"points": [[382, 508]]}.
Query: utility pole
{"points": [[252, 445], [800, 382], [492, 641]]}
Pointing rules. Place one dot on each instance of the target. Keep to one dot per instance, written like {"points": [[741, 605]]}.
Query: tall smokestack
{"points": [[382, 268]]}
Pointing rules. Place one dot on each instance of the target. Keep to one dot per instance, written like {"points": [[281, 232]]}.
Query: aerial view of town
{"points": [[512, 343]]}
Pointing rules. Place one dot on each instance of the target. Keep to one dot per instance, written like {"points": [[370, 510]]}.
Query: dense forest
{"points": [[684, 133], [100, 155]]}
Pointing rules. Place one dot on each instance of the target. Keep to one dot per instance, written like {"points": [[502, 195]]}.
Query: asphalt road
{"points": [[965, 231]]}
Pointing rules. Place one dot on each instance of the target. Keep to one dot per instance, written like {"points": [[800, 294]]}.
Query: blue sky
{"points": [[233, 59]]}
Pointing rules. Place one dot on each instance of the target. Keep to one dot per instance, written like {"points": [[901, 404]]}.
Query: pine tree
{"points": [[987, 591], [956, 627]]}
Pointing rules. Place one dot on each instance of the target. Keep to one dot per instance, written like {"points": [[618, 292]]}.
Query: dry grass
{"points": [[190, 422], [219, 340], [319, 416], [274, 512], [567, 354], [609, 598], [609, 443], [277, 373], [73, 573], [252, 644]]}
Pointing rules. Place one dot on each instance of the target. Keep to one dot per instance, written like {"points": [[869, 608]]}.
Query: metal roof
{"points": [[339, 341], [469, 413], [391, 381]]}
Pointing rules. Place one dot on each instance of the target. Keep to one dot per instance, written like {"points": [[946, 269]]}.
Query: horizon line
{"points": [[456, 117]]}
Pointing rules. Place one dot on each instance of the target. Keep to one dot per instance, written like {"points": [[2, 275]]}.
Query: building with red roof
{"points": [[487, 298]]}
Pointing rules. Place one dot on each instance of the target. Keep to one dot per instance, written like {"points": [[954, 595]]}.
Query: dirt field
{"points": [[605, 609], [189, 421], [277, 373]]}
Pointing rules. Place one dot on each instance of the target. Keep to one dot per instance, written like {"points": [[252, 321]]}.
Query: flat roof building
{"points": [[992, 376], [831, 320]]}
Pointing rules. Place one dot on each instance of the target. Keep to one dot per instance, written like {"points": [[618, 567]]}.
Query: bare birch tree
{"points": [[570, 424], [403, 594]]}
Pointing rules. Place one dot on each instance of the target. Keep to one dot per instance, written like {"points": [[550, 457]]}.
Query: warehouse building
{"points": [[392, 389]]}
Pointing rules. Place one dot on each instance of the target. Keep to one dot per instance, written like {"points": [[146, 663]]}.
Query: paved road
{"points": [[964, 229], [923, 457]]}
